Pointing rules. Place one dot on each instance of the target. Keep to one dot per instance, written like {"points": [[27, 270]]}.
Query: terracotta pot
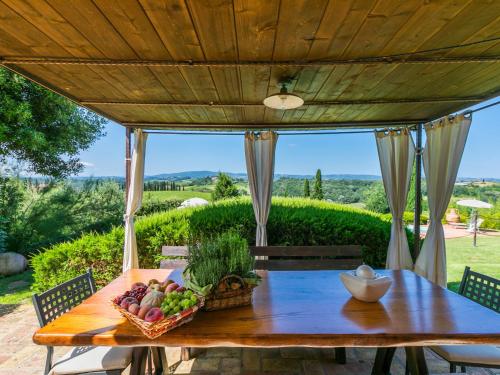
{"points": [[453, 216]]}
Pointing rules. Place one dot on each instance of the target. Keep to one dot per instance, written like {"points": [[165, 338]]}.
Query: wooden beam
{"points": [[56, 90], [471, 99], [385, 60], [263, 126]]}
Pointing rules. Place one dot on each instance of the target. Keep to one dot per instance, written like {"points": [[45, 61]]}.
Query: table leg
{"points": [[160, 360], [383, 360], [139, 358], [415, 359]]}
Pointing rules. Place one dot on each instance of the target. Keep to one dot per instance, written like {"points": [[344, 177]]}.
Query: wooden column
{"points": [[128, 161], [418, 190]]}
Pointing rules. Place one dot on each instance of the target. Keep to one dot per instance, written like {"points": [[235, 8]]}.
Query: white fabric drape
{"points": [[442, 155], [259, 155], [396, 153], [130, 257]]}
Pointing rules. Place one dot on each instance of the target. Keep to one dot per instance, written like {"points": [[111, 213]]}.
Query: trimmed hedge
{"points": [[408, 217], [292, 221]]}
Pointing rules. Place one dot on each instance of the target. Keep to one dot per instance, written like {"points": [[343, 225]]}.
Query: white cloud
{"points": [[86, 164]]}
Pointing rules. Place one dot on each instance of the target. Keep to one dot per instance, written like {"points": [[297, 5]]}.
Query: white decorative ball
{"points": [[365, 271]]}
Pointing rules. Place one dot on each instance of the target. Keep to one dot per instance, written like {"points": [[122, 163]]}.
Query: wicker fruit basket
{"points": [[156, 329], [225, 297]]}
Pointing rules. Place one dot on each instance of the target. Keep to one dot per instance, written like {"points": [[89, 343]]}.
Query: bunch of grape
{"points": [[138, 293], [175, 302]]}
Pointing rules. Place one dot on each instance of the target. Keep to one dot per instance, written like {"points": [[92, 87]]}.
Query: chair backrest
{"points": [[56, 301], [480, 288], [287, 258], [180, 252]]}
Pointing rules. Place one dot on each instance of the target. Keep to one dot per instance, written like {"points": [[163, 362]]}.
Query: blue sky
{"points": [[334, 154]]}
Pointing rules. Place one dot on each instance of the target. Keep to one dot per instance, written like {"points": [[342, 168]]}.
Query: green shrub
{"points": [[292, 221], [408, 217], [153, 206]]}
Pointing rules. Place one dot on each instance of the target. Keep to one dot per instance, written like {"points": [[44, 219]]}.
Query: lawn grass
{"points": [[485, 258], [15, 295], [181, 195]]}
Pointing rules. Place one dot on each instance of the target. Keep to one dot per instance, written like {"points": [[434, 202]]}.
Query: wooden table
{"points": [[296, 308]]}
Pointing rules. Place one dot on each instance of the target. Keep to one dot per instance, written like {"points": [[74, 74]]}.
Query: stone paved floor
{"points": [[19, 356]]}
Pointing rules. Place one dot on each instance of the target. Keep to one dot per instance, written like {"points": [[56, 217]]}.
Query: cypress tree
{"points": [[307, 189], [318, 186]]}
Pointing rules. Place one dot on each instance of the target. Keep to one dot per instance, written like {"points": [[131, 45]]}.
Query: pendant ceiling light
{"points": [[283, 99]]}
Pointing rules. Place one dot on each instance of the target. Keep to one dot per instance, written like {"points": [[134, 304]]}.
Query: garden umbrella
{"points": [[474, 204]]}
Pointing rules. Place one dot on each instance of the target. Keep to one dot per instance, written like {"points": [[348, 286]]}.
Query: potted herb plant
{"points": [[222, 270]]}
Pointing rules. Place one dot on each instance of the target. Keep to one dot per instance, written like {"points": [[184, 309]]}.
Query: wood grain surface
{"points": [[257, 31], [293, 308]]}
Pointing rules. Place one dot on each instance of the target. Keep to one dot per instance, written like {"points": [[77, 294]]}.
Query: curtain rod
{"points": [[284, 132], [482, 108], [173, 132]]}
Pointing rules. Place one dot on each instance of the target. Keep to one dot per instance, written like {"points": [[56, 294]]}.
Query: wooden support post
{"points": [[418, 191], [128, 161]]}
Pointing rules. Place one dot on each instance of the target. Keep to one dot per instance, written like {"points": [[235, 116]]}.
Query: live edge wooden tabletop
{"points": [[297, 308]]}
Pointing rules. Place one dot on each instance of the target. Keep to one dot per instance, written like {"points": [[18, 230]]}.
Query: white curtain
{"points": [[396, 153], [259, 155], [442, 155], [130, 257]]}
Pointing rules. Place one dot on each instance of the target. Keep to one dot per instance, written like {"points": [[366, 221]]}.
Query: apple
{"points": [[154, 315]]}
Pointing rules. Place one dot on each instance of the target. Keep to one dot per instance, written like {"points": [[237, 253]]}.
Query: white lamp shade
{"points": [[283, 101]]}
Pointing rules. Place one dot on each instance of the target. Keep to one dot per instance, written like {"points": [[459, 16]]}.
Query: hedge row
{"points": [[292, 221]]}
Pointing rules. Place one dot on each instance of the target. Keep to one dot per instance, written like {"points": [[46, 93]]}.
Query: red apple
{"points": [[154, 315]]}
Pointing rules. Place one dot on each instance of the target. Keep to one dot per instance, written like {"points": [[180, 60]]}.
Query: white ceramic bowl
{"points": [[367, 290]]}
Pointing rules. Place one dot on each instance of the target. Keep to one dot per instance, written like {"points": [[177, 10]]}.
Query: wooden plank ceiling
{"points": [[209, 64]]}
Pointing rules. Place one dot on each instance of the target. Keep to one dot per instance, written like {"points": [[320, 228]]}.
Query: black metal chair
{"points": [[484, 290], [87, 360]]}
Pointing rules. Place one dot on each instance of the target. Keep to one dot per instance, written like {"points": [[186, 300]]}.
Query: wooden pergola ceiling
{"points": [[209, 64]]}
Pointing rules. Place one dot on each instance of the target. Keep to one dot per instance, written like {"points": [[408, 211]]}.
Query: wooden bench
{"points": [[174, 251], [288, 258]]}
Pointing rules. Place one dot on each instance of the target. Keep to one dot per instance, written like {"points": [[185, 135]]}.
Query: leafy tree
{"points": [[42, 129], [307, 189], [318, 186], [34, 218], [224, 188], [376, 200]]}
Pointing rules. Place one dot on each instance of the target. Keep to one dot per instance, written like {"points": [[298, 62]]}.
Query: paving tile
{"points": [[292, 366], [206, 364], [251, 359], [270, 353], [184, 367], [223, 352], [312, 367], [230, 366], [302, 353]]}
